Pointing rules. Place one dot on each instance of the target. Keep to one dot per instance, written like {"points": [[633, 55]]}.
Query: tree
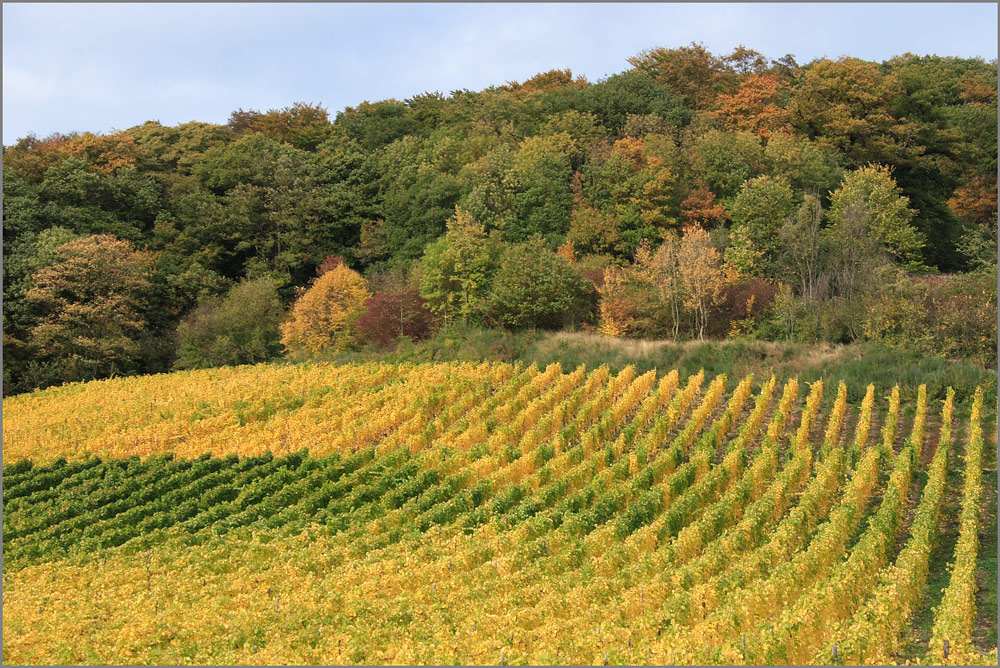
{"points": [[669, 282], [763, 205], [534, 287], [615, 309], [724, 160], [636, 184], [886, 212], [302, 125], [615, 99], [374, 125], [173, 150], [415, 198], [458, 269], [754, 108], [592, 230], [858, 260], [630, 297], [979, 245], [690, 71], [540, 178], [583, 128], [90, 306], [24, 256], [803, 247], [807, 167], [975, 202], [75, 195], [846, 105], [545, 80], [241, 328], [281, 207], [700, 208], [702, 278], [325, 315]]}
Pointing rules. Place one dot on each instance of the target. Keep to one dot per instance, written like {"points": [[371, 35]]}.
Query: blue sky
{"points": [[94, 67]]}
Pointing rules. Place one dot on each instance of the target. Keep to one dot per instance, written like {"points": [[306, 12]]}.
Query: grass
{"points": [[855, 364], [984, 633], [938, 575]]}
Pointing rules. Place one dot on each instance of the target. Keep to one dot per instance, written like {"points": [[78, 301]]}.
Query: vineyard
{"points": [[491, 514]]}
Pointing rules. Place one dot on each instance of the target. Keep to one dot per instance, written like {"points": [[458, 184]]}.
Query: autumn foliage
{"points": [[92, 302], [325, 315], [823, 180], [391, 314], [754, 107]]}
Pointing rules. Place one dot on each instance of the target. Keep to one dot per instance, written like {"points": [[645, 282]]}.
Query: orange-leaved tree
{"points": [[754, 108], [324, 316]]}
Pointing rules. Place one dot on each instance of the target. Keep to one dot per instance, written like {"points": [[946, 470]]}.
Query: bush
{"points": [[241, 328], [741, 306], [390, 315], [951, 316]]}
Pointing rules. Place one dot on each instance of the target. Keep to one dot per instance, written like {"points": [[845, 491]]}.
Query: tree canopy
{"points": [[443, 187]]}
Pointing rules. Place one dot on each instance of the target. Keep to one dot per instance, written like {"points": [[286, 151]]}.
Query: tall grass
{"points": [[856, 365]]}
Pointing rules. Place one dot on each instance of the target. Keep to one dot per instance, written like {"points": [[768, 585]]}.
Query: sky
{"points": [[97, 67]]}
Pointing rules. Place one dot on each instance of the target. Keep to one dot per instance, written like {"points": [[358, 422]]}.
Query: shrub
{"points": [[391, 314], [241, 328], [741, 306], [952, 316]]}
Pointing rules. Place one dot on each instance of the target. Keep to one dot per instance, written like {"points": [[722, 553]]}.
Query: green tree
{"points": [[614, 99], [758, 212], [279, 206], [458, 268], [725, 160], [123, 202], [535, 287], [807, 167], [885, 209], [374, 125], [416, 197], [541, 179], [636, 184], [583, 129]]}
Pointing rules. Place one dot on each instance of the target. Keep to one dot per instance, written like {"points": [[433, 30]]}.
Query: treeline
{"points": [[690, 195]]}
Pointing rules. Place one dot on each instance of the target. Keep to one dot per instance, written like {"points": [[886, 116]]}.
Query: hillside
{"points": [[809, 197], [494, 514]]}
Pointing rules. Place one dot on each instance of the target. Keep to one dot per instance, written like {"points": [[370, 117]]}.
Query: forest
{"points": [[691, 196]]}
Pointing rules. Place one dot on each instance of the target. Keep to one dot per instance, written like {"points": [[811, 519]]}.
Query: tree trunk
{"points": [[466, 309]]}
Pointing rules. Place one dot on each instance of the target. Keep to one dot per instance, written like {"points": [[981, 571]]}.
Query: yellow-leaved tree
{"points": [[701, 276], [324, 316]]}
